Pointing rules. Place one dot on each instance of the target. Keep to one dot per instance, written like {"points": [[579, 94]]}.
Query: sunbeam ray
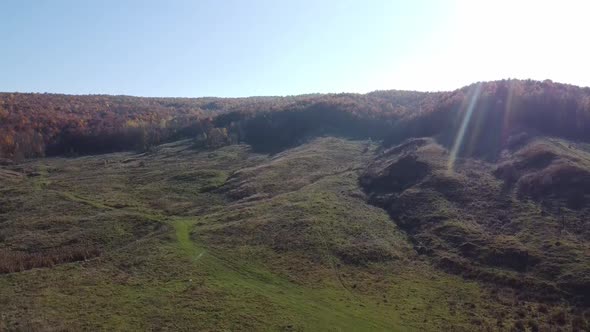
{"points": [[506, 121], [461, 133]]}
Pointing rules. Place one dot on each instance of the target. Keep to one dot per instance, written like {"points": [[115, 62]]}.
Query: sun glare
{"points": [[494, 40]]}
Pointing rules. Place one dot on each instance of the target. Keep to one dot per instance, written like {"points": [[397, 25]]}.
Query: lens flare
{"points": [[507, 113], [461, 134]]}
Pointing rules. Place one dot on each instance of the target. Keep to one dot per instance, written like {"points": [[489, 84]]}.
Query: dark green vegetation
{"points": [[465, 210]]}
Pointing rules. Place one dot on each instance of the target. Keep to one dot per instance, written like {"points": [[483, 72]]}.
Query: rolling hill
{"points": [[393, 210]]}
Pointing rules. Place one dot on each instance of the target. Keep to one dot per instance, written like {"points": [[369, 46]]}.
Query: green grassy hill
{"points": [[181, 238]]}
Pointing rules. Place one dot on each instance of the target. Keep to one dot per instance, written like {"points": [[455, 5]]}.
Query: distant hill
{"points": [[34, 125]]}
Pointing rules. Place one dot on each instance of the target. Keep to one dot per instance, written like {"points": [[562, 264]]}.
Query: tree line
{"points": [[36, 125]]}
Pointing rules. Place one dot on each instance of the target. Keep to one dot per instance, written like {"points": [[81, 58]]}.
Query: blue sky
{"points": [[282, 47]]}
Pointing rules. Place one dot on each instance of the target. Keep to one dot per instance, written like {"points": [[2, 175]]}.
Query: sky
{"points": [[236, 48]]}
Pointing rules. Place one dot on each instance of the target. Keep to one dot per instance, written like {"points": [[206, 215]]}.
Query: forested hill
{"points": [[492, 114]]}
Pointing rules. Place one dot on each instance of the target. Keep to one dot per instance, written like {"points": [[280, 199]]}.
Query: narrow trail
{"points": [[182, 227]]}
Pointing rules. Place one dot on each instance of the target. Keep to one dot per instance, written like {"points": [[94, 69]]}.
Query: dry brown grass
{"points": [[16, 261]]}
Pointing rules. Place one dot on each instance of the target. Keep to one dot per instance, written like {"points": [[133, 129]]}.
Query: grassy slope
{"points": [[287, 243], [470, 221]]}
